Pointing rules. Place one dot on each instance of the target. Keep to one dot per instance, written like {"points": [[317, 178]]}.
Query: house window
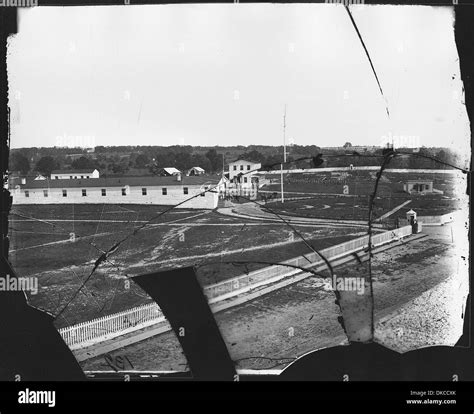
{"points": [[248, 167], [104, 192], [185, 190], [82, 176], [143, 191], [45, 193], [64, 193], [245, 179], [56, 177], [87, 176], [241, 168], [70, 177], [84, 193], [235, 167], [27, 193], [164, 191], [124, 191], [75, 176]]}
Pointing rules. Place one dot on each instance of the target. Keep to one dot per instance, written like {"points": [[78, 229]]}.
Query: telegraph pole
{"points": [[284, 155]]}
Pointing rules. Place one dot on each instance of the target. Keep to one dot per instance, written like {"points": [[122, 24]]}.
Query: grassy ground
{"points": [[359, 185], [40, 224], [183, 238], [357, 208]]}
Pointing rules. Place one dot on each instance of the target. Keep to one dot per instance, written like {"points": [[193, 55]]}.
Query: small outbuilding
{"points": [[168, 172], [418, 186], [195, 171]]}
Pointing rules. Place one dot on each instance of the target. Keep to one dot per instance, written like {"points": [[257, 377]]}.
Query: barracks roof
{"points": [[72, 172], [135, 181]]}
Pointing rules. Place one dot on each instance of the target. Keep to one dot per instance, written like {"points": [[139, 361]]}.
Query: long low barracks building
{"points": [[121, 190]]}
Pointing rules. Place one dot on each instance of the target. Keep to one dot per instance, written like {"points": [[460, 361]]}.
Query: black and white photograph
{"points": [[231, 191]]}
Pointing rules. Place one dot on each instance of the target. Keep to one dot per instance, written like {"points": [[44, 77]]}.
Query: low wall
{"points": [[445, 218], [432, 220], [361, 168]]}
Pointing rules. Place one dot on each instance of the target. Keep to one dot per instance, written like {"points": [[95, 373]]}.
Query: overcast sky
{"points": [[221, 75]]}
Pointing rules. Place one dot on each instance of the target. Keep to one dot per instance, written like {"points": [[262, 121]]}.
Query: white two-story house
{"points": [[244, 172], [243, 178]]}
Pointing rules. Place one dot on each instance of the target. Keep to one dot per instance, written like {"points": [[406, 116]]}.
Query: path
{"points": [[255, 212]]}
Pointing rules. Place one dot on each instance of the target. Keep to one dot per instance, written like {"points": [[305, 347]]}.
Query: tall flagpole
{"points": [[223, 166], [224, 190], [284, 155]]}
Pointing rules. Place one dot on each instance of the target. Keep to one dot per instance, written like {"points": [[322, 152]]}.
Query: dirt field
{"points": [[273, 330]]}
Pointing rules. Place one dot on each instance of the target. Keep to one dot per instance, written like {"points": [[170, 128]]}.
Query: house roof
{"points": [[171, 170], [132, 181], [419, 181], [197, 168], [90, 171], [242, 160]]}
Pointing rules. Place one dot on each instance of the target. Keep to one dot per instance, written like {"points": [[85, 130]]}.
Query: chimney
{"points": [[178, 177]]}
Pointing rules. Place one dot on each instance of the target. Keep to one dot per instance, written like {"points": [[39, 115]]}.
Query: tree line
{"points": [[212, 161]]}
